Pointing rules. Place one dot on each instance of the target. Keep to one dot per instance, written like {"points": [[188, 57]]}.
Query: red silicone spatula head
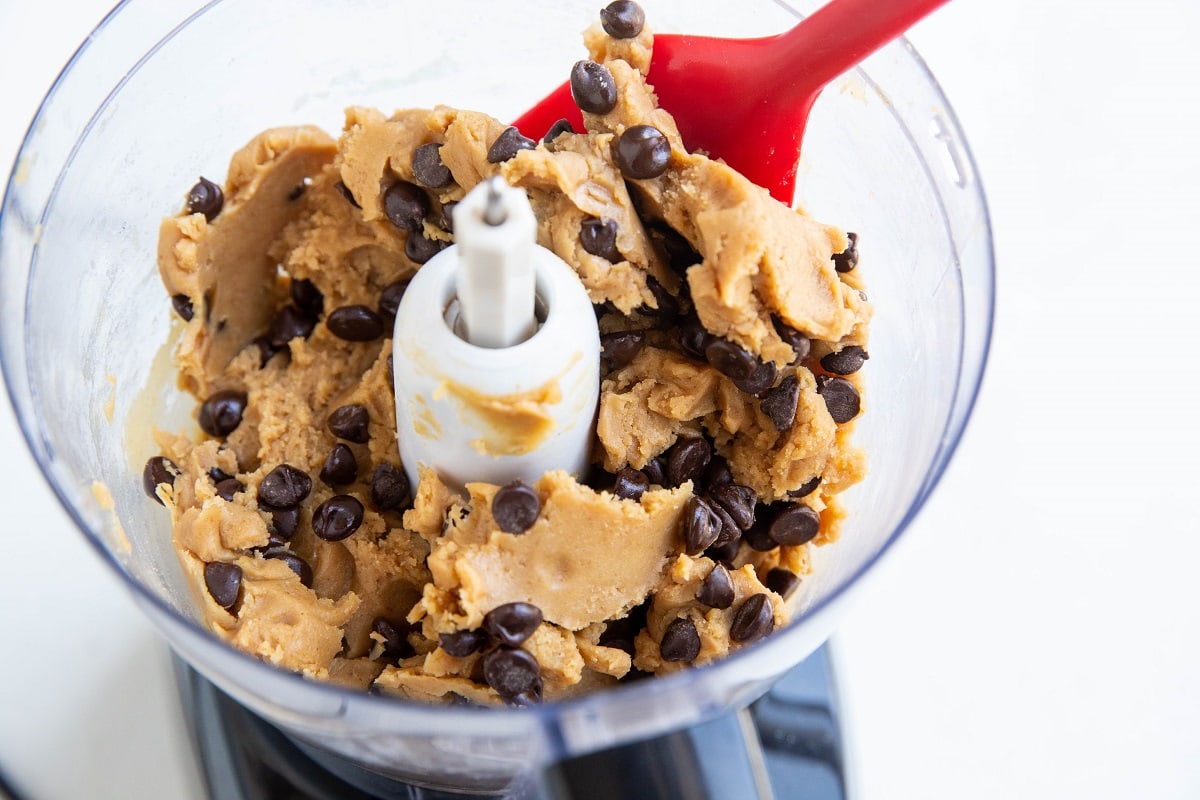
{"points": [[747, 100]]}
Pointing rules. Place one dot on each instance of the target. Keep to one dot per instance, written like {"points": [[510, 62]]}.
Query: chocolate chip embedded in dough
{"points": [[780, 403], [794, 525], [341, 467], [846, 361], [158, 469], [345, 192], [642, 152], [446, 218], [693, 339], [782, 582], [307, 297], [805, 489], [229, 487], [395, 638], [717, 473], [222, 412], [350, 422], [290, 323], [740, 501], [512, 623], [183, 306], [680, 641], [801, 345], [514, 674], [389, 301], [406, 205], [599, 237], [762, 379], [675, 246], [389, 488], [297, 564], [730, 360], [848, 258], [284, 487], [515, 507], [716, 590], [618, 349], [701, 526], [841, 398], [354, 324], [759, 536], [508, 144], [667, 307], [205, 198], [655, 471], [284, 522], [557, 130], [622, 19], [216, 475], [419, 248], [687, 459], [724, 553], [337, 518], [753, 619], [224, 583], [428, 168], [461, 644], [592, 87], [630, 484]]}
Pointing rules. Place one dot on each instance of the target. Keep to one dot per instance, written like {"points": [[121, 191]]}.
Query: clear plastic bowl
{"points": [[164, 91]]}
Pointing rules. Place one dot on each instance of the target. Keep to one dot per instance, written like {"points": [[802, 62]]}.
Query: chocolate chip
{"points": [[395, 638], [350, 422], [420, 248], [183, 306], [700, 526], [761, 380], [680, 641], [693, 339], [800, 344], [337, 518], [507, 145], [308, 297], [717, 472], [227, 488], [686, 459], [512, 623], [515, 507], [724, 553], [754, 619], [297, 564], [391, 371], [406, 205], [730, 360], [341, 467], [630, 484], [266, 350], [642, 152], [290, 323], [622, 19], [389, 301], [216, 475], [224, 583], [678, 250], [806, 489], [782, 582], [592, 87], [222, 412], [461, 644], [284, 487], [794, 525], [205, 198], [345, 192], [599, 237], [389, 488], [447, 216], [848, 258], [841, 398], [759, 535], [740, 501], [779, 404], [514, 674], [354, 324], [667, 306], [846, 361], [158, 469], [284, 522], [428, 168], [618, 349], [557, 130], [655, 472], [730, 532], [716, 590], [621, 633]]}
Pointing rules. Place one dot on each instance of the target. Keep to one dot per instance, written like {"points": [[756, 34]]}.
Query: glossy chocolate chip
{"points": [[794, 525], [557, 130], [724, 553], [395, 638], [642, 152], [515, 507], [297, 564], [693, 339], [419, 248], [307, 297], [717, 473], [512, 623], [446, 218], [680, 641], [779, 404], [782, 582], [753, 619], [389, 301], [224, 583], [355, 324], [740, 501], [687, 459], [229, 487], [618, 349], [216, 475], [406, 205], [183, 306], [846, 361], [807, 488], [428, 168], [222, 412], [678, 250], [701, 525], [593, 88], [730, 532], [507, 145], [841, 398], [599, 237], [848, 258], [716, 590], [514, 674], [730, 360], [389, 488], [762, 379], [337, 518], [158, 469], [284, 522], [350, 422], [345, 192], [655, 472], [284, 487], [266, 350], [205, 198], [461, 644], [801, 345], [666, 306], [759, 535], [341, 467], [630, 484], [622, 19], [290, 323]]}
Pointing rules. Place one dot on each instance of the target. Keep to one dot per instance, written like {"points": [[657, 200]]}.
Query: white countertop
{"points": [[1037, 635]]}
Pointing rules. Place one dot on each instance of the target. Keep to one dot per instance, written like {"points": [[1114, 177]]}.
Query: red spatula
{"points": [[747, 100]]}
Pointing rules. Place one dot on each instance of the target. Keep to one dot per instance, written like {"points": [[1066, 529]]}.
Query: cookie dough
{"points": [[732, 327]]}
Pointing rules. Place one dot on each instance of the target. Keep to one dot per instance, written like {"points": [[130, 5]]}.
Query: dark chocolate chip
{"points": [[183, 306], [621, 633], [461, 644], [428, 168], [389, 488], [678, 250], [447, 216], [512, 623], [642, 152], [284, 487], [395, 638], [680, 641], [216, 475], [354, 324], [806, 489], [761, 380], [686, 460], [297, 564], [350, 422], [622, 19], [224, 583], [507, 145], [419, 248], [846, 361], [655, 472], [717, 473], [308, 297], [158, 469], [227, 488], [406, 205], [593, 88], [290, 323], [716, 590], [800, 344], [618, 349], [515, 507], [779, 404], [759, 535], [841, 398], [724, 553], [753, 619], [782, 582], [599, 237], [630, 484], [345, 192], [667, 305], [389, 301], [794, 525], [557, 130], [205, 198], [730, 532], [740, 501], [701, 525], [337, 518], [341, 467], [514, 674], [693, 339], [284, 522], [848, 258], [266, 350], [730, 360], [222, 412]]}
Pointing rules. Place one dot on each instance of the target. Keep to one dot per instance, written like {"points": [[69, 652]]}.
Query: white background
{"points": [[1036, 636]]}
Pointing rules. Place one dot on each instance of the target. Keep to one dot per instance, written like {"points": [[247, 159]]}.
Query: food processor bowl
{"points": [[166, 90]]}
